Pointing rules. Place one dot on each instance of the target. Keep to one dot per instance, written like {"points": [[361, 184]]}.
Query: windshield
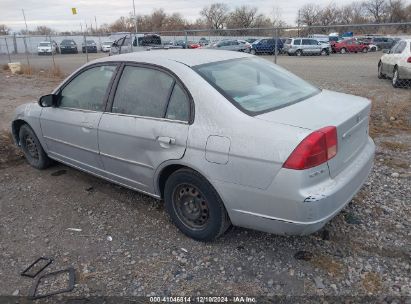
{"points": [[44, 44], [108, 43], [255, 85], [68, 42]]}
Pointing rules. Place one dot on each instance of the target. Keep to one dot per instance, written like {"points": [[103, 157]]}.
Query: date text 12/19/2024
{"points": [[201, 299]]}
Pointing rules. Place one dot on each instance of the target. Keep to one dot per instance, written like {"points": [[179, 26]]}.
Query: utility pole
{"points": [[298, 23], [97, 31], [25, 22], [135, 20]]}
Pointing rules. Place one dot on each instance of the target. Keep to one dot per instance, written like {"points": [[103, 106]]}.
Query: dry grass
{"points": [[394, 146], [27, 70], [9, 153], [55, 72], [396, 163], [371, 282], [5, 67], [333, 268]]}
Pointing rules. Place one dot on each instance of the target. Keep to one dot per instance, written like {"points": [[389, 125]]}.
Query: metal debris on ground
{"points": [[33, 294], [36, 267]]}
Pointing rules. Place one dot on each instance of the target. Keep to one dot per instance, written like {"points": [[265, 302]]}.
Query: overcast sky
{"points": [[57, 13]]}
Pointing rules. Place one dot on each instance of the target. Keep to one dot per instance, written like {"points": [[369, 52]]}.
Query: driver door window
{"points": [[88, 90]]}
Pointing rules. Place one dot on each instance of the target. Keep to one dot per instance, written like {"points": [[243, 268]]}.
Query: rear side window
{"points": [[143, 92], [401, 47], [179, 105], [297, 41], [288, 41]]}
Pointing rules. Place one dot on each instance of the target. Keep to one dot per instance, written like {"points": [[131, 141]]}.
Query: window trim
{"points": [[108, 90], [152, 66]]}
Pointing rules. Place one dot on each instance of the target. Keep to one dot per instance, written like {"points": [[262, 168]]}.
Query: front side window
{"points": [[88, 90], [306, 42], [143, 92], [401, 47], [255, 85]]}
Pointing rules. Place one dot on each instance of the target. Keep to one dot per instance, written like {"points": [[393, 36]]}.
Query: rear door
{"points": [[147, 125], [306, 46]]}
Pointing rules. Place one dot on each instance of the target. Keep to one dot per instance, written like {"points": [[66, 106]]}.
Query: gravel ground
{"points": [[127, 245]]}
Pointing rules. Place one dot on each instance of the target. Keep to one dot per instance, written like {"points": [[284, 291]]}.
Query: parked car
{"points": [[230, 45], [91, 46], [265, 46], [279, 155], [193, 45], [251, 40], [47, 48], [306, 46], [68, 46], [351, 45], [203, 41], [383, 43], [396, 64], [148, 40], [122, 45], [106, 46]]}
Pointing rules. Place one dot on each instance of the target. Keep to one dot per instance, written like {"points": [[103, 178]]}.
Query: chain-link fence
{"points": [[389, 42]]}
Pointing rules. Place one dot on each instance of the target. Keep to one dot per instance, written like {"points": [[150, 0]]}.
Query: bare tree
{"points": [[396, 11], [242, 17], [216, 15], [122, 24], [309, 14], [329, 15], [377, 9], [4, 29]]}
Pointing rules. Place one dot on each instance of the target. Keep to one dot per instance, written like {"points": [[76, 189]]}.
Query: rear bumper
{"points": [[288, 208]]}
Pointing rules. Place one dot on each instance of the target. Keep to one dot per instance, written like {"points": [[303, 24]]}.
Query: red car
{"points": [[193, 45], [349, 45]]}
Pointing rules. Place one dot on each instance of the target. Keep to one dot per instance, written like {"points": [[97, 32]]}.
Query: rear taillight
{"points": [[317, 148], [409, 60]]}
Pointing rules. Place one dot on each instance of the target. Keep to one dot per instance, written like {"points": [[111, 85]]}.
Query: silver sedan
{"points": [[222, 137]]}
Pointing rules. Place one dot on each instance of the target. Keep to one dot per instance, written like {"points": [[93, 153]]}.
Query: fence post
{"points": [[275, 44], [15, 43], [186, 41], [7, 48], [85, 45], [27, 54]]}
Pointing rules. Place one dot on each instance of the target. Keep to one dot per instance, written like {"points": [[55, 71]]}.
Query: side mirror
{"points": [[48, 100]]}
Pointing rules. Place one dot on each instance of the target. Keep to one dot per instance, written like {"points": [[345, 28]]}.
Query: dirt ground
{"points": [[127, 245]]}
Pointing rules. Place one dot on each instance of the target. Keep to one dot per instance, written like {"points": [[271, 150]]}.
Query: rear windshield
{"points": [[255, 85]]}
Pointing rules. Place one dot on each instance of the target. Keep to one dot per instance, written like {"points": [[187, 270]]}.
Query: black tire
{"points": [[32, 149], [298, 53], [253, 52], [380, 73], [324, 52], [343, 51], [365, 50], [395, 78], [194, 206]]}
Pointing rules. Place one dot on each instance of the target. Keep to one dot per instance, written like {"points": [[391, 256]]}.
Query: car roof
{"points": [[186, 57]]}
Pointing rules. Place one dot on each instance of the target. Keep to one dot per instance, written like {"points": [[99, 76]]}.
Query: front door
{"points": [[148, 125], [70, 129]]}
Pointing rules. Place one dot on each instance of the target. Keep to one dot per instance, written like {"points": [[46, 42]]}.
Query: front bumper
{"points": [[289, 208]]}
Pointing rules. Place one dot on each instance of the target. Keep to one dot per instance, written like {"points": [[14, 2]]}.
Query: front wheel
{"points": [[194, 206], [343, 51], [298, 52], [252, 52], [380, 73], [324, 52], [365, 50], [32, 149]]}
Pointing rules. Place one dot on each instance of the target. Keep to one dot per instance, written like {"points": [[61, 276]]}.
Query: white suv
{"points": [[47, 48]]}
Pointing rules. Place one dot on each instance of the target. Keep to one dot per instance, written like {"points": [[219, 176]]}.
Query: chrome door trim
{"points": [[149, 117], [127, 161], [70, 144]]}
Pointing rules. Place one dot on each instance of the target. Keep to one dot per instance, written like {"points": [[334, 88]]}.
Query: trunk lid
{"points": [[348, 113]]}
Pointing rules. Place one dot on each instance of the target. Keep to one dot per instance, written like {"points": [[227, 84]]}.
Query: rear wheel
{"points": [[324, 52], [194, 206], [252, 52], [365, 50], [298, 52], [32, 149], [343, 51]]}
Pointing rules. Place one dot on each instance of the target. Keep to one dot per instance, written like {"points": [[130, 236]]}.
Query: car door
{"points": [[306, 46], [148, 125], [70, 128], [388, 60], [316, 46]]}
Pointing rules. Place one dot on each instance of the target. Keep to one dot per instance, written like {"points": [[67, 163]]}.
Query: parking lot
{"points": [[125, 245]]}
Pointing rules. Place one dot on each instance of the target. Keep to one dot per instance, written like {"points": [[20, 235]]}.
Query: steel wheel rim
{"points": [[191, 206], [31, 147], [395, 77]]}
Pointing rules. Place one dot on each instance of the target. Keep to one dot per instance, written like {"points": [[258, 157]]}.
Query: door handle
{"points": [[87, 125], [165, 141]]}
